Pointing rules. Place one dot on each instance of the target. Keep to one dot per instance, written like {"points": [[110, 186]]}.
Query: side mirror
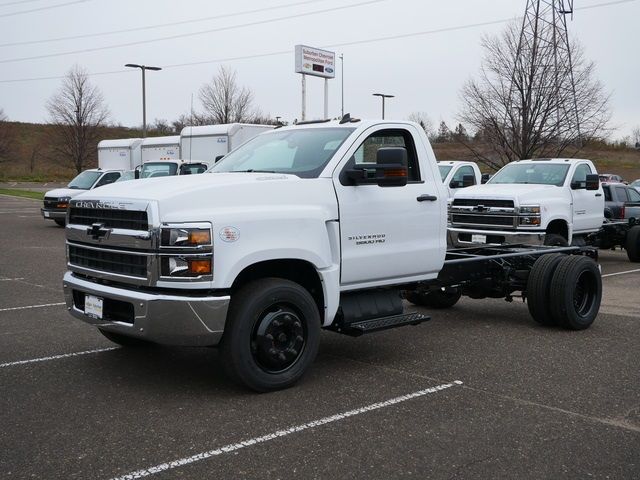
{"points": [[593, 182], [468, 180], [454, 184], [390, 169], [136, 172], [485, 178]]}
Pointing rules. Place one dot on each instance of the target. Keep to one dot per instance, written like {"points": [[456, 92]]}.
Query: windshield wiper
{"points": [[251, 170]]}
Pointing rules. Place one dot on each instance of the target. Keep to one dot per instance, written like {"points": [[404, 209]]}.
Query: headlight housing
{"points": [[63, 202], [186, 251], [529, 215]]}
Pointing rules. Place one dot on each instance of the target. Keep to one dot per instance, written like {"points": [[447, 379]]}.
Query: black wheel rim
{"points": [[584, 293], [278, 339]]}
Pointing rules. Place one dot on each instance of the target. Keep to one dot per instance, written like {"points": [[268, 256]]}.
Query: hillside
{"points": [[33, 160]]}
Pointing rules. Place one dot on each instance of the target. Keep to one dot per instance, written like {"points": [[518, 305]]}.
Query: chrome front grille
{"points": [[484, 213], [109, 261], [124, 219], [50, 202]]}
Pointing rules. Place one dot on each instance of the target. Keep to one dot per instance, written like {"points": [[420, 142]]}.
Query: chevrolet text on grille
{"points": [[101, 205]]}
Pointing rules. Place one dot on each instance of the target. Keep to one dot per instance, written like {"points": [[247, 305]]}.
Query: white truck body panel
{"points": [[160, 148], [119, 154], [210, 141]]}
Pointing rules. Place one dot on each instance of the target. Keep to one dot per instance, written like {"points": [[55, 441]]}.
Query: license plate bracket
{"points": [[93, 306], [478, 238]]}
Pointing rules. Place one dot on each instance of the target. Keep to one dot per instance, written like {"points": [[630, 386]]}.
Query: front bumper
{"points": [[187, 320], [54, 214], [464, 237]]}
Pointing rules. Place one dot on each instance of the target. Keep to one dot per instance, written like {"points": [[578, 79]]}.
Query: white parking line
{"points": [[56, 357], [31, 306], [282, 433], [11, 279], [621, 273]]}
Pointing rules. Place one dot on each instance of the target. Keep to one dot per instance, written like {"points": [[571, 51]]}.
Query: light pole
{"points": [[383, 96], [143, 68], [342, 81]]}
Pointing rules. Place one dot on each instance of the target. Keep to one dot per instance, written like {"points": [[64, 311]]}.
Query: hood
{"points": [[509, 191], [196, 196], [64, 192]]}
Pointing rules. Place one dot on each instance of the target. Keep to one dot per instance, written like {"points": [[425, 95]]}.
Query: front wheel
{"points": [[576, 292], [555, 240], [272, 334]]}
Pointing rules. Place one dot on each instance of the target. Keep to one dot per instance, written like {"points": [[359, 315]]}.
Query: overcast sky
{"points": [[424, 72]]}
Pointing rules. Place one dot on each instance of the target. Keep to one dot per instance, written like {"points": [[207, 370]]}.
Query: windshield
{"points": [[85, 180], [444, 170], [192, 168], [158, 169], [303, 152], [535, 173]]}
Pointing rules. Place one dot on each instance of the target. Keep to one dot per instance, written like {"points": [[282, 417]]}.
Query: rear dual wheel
{"points": [[632, 244], [565, 291]]}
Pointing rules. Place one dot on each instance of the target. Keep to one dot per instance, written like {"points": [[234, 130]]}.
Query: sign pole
{"points": [[326, 98], [304, 97]]}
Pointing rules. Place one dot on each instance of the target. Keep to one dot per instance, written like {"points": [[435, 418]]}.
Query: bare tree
{"points": [[224, 101], [423, 120], [635, 137], [6, 137], [77, 111], [522, 106]]}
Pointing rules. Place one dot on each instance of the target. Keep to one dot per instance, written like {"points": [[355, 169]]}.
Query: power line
{"points": [[6, 4], [39, 9], [159, 25], [192, 34], [343, 44]]}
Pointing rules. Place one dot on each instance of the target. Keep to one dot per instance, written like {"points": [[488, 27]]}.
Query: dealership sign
{"points": [[313, 61]]}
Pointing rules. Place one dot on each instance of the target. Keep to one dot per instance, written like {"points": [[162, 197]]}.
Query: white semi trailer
{"points": [[208, 142], [119, 154]]}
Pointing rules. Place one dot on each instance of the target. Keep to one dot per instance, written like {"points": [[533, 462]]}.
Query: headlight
{"points": [[186, 236], [533, 221], [63, 202], [185, 267], [530, 210]]}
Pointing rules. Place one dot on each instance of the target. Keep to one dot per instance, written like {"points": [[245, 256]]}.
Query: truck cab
{"points": [[542, 201], [56, 201], [458, 174], [168, 168]]}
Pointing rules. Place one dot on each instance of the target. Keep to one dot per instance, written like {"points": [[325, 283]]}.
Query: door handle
{"points": [[427, 198], [598, 194]]}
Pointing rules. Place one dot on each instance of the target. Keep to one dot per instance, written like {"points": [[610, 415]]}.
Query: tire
{"points": [[576, 292], [555, 240], [632, 244], [124, 340], [261, 310], [435, 299], [61, 223], [539, 288]]}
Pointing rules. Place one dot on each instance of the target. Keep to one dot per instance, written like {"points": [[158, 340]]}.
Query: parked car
{"points": [[128, 175], [56, 201], [610, 178], [620, 201], [635, 184]]}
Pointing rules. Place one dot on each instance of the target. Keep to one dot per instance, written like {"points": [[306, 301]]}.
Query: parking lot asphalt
{"points": [[480, 391]]}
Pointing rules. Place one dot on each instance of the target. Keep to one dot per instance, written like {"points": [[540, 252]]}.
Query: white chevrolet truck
{"points": [[317, 225], [533, 202], [457, 174]]}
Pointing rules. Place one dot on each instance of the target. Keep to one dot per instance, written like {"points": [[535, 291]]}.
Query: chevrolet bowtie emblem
{"points": [[98, 232]]}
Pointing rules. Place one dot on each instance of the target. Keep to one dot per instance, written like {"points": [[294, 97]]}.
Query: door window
{"points": [[621, 193], [368, 150], [633, 195], [456, 181], [108, 178], [607, 194], [580, 175]]}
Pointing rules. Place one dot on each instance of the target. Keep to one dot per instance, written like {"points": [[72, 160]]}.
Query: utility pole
{"points": [[342, 85], [143, 68]]}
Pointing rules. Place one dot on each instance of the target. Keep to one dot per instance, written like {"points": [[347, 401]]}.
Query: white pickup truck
{"points": [[533, 202], [458, 174], [318, 225]]}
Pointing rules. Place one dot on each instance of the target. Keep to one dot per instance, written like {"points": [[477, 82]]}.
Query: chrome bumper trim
{"points": [[510, 238], [54, 214], [166, 319]]}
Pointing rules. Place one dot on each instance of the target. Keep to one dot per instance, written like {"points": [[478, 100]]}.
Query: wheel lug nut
{"points": [[269, 337], [277, 323], [299, 339], [273, 352], [282, 357], [282, 337], [297, 324]]}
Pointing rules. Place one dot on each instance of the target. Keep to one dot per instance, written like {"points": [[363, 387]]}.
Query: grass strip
{"points": [[22, 193]]}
